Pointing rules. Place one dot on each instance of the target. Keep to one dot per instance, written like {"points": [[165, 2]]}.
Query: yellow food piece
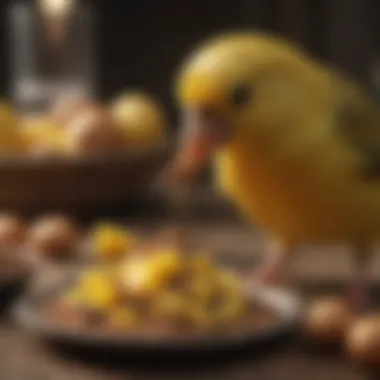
{"points": [[136, 276], [201, 264], [150, 273], [202, 287], [124, 316], [234, 304], [227, 280], [199, 315], [43, 131], [166, 263], [170, 304], [112, 241], [232, 308], [141, 118], [98, 289]]}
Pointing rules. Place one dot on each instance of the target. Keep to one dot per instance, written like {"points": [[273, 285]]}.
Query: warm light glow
{"points": [[56, 7]]}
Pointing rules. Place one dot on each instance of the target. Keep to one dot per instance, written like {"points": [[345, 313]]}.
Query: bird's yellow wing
{"points": [[357, 118]]}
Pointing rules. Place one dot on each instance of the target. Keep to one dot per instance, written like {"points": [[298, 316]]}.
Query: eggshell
{"points": [[327, 320], [54, 236], [94, 132], [363, 340]]}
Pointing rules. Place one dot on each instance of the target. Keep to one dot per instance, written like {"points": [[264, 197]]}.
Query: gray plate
{"points": [[27, 314]]}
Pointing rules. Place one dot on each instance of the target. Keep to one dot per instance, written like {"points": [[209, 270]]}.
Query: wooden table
{"points": [[24, 358]]}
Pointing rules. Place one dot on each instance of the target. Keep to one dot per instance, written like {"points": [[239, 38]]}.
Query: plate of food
{"points": [[154, 298]]}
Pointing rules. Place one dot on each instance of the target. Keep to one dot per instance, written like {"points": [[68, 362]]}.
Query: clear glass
{"points": [[51, 54]]}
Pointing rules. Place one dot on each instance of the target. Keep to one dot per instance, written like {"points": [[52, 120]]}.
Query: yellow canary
{"points": [[295, 144]]}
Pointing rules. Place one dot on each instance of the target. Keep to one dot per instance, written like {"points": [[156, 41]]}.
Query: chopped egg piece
{"points": [[112, 241]]}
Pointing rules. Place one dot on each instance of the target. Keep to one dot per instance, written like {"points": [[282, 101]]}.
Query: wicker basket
{"points": [[30, 186]]}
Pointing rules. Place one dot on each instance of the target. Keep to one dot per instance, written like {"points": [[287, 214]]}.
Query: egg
{"points": [[363, 340], [55, 236], [94, 132], [327, 320], [141, 117], [68, 107], [12, 230]]}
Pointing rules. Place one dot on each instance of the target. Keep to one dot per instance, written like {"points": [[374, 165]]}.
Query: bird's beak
{"points": [[202, 132]]}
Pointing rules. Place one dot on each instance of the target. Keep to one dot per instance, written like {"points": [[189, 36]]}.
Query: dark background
{"points": [[141, 43]]}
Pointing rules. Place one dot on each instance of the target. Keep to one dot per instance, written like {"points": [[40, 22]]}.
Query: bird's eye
{"points": [[241, 95]]}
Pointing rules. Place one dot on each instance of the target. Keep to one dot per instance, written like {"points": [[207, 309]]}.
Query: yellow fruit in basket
{"points": [[124, 317], [43, 135], [98, 289], [112, 241], [141, 117], [12, 141]]}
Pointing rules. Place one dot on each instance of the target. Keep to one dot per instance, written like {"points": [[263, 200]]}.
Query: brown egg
{"points": [[363, 340], [327, 320], [67, 107], [94, 132], [53, 235], [12, 230]]}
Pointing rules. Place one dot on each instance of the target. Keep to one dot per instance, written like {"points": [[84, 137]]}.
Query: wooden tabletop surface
{"points": [[23, 357]]}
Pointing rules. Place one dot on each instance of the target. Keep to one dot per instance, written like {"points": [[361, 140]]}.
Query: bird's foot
{"points": [[272, 271]]}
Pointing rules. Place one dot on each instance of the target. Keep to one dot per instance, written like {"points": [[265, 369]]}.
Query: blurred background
{"points": [[82, 166], [142, 43], [112, 47]]}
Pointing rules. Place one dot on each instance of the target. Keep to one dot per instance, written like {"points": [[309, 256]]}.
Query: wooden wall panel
{"points": [[144, 45], [350, 45]]}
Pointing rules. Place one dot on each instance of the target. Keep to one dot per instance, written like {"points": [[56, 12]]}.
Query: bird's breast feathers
{"points": [[310, 197]]}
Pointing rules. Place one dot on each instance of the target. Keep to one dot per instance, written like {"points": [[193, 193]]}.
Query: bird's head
{"points": [[240, 87]]}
